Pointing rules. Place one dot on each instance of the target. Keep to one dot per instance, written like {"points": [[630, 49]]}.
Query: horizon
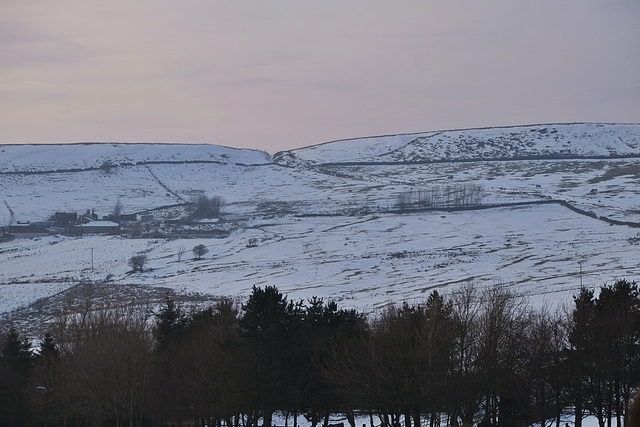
{"points": [[282, 76], [320, 143]]}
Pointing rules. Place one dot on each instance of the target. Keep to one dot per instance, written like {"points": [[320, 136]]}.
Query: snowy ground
{"points": [[328, 226]]}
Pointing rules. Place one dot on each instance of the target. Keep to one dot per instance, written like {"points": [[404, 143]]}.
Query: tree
{"points": [[581, 350], [137, 262], [170, 322], [117, 209], [15, 368], [503, 352], [264, 327], [546, 367], [206, 207], [467, 386], [436, 341], [181, 251], [107, 166], [169, 363], [199, 251], [104, 366], [618, 314], [214, 379], [46, 382], [314, 328]]}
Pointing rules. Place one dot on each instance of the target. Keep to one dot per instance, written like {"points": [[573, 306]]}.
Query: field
{"points": [[325, 220]]}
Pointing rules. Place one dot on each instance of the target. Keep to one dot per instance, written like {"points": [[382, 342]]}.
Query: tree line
{"points": [[475, 357], [441, 197]]}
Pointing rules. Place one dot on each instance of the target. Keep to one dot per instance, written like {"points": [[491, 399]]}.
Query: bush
{"points": [[107, 166]]}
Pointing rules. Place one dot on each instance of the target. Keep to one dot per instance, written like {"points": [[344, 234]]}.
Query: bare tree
{"points": [[466, 385], [455, 196], [181, 251], [503, 353], [118, 209], [105, 369], [546, 373]]}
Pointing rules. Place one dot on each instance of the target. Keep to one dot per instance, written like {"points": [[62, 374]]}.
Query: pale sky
{"points": [[278, 74]]}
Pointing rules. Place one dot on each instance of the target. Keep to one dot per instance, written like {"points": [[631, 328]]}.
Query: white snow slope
{"points": [[324, 220]]}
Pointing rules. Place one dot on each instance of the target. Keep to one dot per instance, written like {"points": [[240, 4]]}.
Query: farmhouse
{"points": [[28, 230], [65, 219], [100, 227]]}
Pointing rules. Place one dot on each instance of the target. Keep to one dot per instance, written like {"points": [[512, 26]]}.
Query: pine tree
{"points": [[15, 366], [170, 322], [48, 348], [47, 382], [264, 326]]}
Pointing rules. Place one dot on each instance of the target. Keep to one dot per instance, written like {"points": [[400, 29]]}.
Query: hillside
{"points": [[365, 222], [579, 140], [82, 157]]}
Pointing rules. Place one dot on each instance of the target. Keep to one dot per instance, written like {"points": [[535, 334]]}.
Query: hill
{"points": [[550, 141], [365, 222]]}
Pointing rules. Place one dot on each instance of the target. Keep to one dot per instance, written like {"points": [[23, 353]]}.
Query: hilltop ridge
{"points": [[24, 158], [542, 141], [516, 142]]}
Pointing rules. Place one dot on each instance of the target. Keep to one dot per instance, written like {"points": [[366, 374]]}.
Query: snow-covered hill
{"points": [[62, 157], [325, 220], [539, 141]]}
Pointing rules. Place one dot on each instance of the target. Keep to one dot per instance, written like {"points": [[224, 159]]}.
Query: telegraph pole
{"points": [[580, 263]]}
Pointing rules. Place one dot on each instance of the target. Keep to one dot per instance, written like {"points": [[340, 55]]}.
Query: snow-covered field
{"points": [[324, 222]]}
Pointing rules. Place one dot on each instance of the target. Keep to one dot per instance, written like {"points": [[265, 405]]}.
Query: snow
{"points": [[330, 230], [56, 157], [579, 139], [101, 224]]}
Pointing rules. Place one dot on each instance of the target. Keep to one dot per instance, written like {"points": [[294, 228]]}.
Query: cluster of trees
{"points": [[450, 196], [137, 262], [202, 206], [472, 357]]}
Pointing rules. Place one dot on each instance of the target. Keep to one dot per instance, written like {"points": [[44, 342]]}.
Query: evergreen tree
{"points": [[582, 350], [170, 322], [166, 384], [46, 383], [15, 367], [618, 313], [264, 327], [321, 327]]}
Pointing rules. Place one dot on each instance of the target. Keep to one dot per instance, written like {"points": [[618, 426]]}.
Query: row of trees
{"points": [[474, 357], [449, 196], [137, 262]]}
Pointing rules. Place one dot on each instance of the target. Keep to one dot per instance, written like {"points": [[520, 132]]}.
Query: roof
{"points": [[106, 224]]}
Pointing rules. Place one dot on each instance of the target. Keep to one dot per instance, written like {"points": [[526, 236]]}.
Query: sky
{"points": [[276, 75]]}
